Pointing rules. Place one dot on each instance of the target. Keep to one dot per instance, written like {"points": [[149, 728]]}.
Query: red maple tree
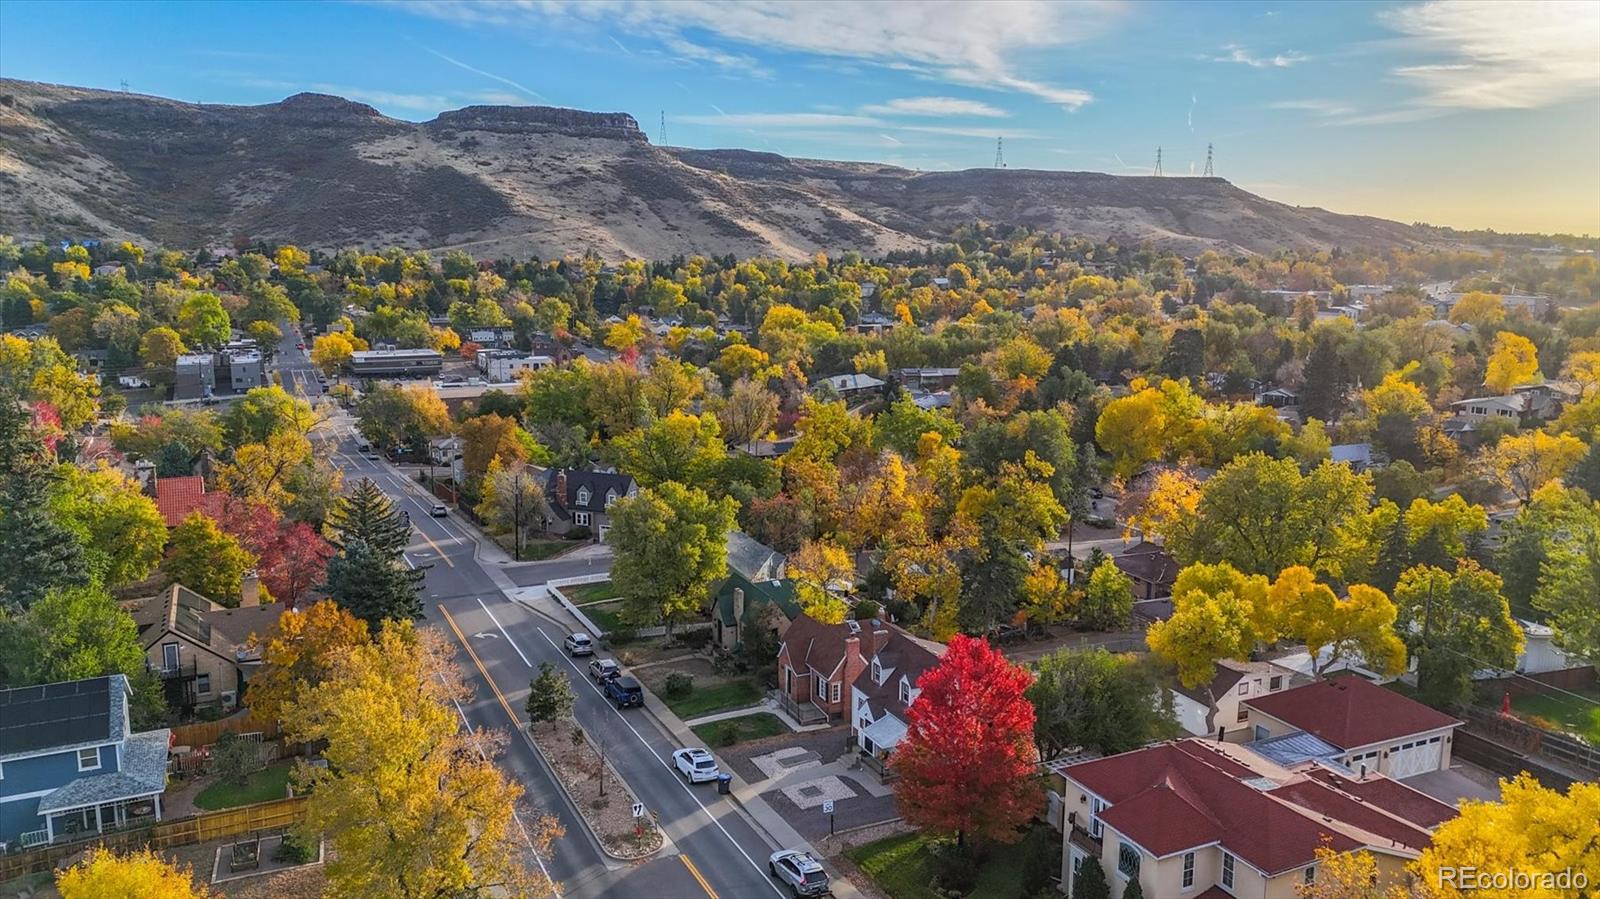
{"points": [[291, 556], [967, 763]]}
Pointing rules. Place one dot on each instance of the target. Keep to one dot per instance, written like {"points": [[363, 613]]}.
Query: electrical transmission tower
{"points": [[999, 152], [124, 85], [1209, 172], [662, 139], [1158, 162]]}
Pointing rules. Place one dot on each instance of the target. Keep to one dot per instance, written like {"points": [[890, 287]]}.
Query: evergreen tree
{"points": [[1091, 881], [1133, 890], [549, 695], [1394, 556], [374, 585], [40, 554], [367, 514]]}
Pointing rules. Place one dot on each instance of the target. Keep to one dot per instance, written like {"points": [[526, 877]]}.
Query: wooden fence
{"points": [[277, 815], [1523, 737], [205, 733]]}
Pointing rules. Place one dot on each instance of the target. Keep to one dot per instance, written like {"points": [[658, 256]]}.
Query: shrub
{"points": [[581, 532], [295, 849], [233, 759], [953, 868], [1091, 881], [1039, 861], [727, 734], [678, 685], [866, 610]]}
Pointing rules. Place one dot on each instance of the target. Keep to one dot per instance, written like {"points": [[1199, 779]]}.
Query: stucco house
{"points": [[1372, 728], [202, 650], [1196, 818], [71, 765], [1234, 682]]}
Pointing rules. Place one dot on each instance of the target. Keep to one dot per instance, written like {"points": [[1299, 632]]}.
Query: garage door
{"points": [[1411, 759]]}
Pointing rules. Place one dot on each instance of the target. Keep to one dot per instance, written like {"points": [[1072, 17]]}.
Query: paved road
{"points": [[712, 850], [294, 364]]}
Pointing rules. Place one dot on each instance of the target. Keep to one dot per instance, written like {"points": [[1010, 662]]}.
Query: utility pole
{"points": [[516, 515], [1209, 172], [999, 152]]}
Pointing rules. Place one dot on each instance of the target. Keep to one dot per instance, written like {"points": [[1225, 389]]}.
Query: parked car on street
{"points": [[603, 670], [696, 765], [802, 873], [624, 691], [578, 644]]}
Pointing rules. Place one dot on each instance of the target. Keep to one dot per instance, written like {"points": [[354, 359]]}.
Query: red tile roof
{"points": [[1349, 712], [177, 497], [1178, 796]]}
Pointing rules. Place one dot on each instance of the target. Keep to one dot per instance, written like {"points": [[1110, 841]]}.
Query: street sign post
{"points": [[827, 809], [638, 810]]}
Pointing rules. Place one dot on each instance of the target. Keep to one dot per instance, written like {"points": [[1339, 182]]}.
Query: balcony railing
{"points": [[180, 671], [806, 712]]}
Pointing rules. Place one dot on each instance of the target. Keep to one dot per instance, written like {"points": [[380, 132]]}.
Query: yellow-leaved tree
{"points": [[1216, 615], [142, 874], [1531, 830], [412, 805], [1522, 463], [822, 572], [1513, 360], [1359, 626], [301, 653]]}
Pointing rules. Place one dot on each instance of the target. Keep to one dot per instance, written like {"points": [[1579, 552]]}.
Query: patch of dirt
{"points": [[576, 761]]}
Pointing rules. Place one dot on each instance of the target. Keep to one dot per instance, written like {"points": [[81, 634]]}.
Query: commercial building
{"points": [[403, 363]]}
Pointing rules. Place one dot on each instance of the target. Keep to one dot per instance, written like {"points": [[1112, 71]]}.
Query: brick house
{"points": [[821, 666], [583, 499]]}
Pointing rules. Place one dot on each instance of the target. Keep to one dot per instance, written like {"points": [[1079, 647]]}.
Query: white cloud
{"points": [[936, 106], [974, 44], [1495, 55], [1244, 57], [490, 75], [985, 133], [783, 120]]}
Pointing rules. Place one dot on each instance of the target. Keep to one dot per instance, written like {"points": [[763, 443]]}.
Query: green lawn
{"points": [[901, 867], [584, 594], [745, 728], [703, 700], [1567, 712], [607, 615], [533, 549], [265, 785]]}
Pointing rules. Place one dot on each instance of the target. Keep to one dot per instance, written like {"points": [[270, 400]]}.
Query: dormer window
{"points": [[905, 692], [611, 497], [583, 496], [877, 672]]}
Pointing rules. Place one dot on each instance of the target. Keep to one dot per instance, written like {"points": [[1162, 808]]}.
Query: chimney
{"points": [[561, 486], [250, 590], [144, 471], [880, 636], [738, 606], [853, 665]]}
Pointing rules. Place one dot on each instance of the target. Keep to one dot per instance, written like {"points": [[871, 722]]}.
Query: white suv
{"points": [[696, 765], [578, 644], [800, 871]]}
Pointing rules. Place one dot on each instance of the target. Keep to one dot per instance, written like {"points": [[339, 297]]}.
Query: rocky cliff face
{"points": [[327, 172]]}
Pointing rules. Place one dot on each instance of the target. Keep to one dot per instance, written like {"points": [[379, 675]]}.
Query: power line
{"points": [[1209, 172], [999, 153]]}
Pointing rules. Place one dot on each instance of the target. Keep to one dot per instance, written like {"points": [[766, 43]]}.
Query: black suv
{"points": [[624, 691]]}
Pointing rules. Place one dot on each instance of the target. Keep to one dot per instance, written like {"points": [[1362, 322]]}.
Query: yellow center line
{"points": [[697, 876], [515, 721], [436, 548]]}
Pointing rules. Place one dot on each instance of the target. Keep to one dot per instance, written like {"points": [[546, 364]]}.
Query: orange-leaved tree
{"points": [[967, 763]]}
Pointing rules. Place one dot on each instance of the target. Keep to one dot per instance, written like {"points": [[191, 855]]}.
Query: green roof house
{"points": [[755, 593]]}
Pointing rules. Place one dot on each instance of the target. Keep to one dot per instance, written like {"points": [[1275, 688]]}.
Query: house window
{"points": [[89, 759], [1188, 870], [905, 692], [583, 496], [877, 672], [169, 655], [611, 497], [1227, 870], [835, 693], [580, 519], [1244, 714], [1276, 683], [202, 684], [1311, 874], [1096, 827], [1128, 861]]}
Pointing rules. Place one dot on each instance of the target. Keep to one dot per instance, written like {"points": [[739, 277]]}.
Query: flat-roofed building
{"points": [[396, 362]]}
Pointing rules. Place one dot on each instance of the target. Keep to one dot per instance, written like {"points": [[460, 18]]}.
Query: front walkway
{"points": [[767, 706]]}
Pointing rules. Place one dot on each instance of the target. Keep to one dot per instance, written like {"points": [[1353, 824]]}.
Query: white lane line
{"points": [[517, 816], [504, 634], [646, 743]]}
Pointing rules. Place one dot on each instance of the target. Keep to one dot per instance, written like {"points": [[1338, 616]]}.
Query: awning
{"points": [[885, 732]]}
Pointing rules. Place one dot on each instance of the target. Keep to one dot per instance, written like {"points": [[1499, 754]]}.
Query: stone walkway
{"points": [[766, 706]]}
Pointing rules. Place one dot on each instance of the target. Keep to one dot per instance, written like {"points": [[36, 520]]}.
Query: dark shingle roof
{"points": [[563, 504], [61, 715]]}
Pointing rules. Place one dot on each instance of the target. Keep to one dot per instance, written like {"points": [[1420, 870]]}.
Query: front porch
{"points": [[805, 711], [71, 824]]}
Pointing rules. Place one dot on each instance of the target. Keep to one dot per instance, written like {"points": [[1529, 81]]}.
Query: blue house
{"points": [[70, 764]]}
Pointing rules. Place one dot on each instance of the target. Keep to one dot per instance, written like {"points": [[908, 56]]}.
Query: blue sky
{"points": [[1467, 114]]}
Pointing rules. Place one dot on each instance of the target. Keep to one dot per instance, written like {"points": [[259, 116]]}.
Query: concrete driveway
{"points": [[1461, 781]]}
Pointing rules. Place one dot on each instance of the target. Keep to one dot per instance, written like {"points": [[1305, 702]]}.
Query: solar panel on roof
{"points": [[34, 718]]}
